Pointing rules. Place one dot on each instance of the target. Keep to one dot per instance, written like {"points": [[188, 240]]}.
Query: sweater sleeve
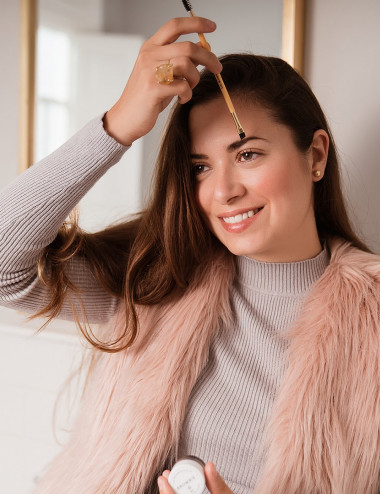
{"points": [[33, 208]]}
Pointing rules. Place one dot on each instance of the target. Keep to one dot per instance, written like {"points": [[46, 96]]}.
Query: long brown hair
{"points": [[148, 259]]}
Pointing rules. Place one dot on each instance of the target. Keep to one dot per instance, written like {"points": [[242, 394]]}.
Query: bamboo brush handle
{"points": [[222, 87], [218, 77]]}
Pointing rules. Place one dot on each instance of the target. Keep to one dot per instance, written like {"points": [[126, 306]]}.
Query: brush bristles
{"points": [[187, 5]]}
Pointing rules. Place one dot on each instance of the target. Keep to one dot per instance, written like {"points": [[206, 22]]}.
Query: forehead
{"points": [[211, 124]]}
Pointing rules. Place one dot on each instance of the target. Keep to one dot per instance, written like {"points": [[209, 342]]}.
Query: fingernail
{"points": [[213, 472], [211, 24]]}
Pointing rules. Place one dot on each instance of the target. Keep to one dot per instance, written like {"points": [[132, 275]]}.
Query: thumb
{"points": [[214, 481]]}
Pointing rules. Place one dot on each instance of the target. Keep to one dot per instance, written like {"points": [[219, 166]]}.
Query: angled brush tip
{"points": [[242, 135], [187, 5]]}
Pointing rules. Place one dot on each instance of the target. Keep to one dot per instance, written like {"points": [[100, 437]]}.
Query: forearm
{"points": [[34, 206]]}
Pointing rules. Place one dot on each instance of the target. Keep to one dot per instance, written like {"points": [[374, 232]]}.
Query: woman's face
{"points": [[256, 195]]}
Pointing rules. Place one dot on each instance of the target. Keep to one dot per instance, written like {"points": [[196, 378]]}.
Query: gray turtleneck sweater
{"points": [[233, 397], [231, 402]]}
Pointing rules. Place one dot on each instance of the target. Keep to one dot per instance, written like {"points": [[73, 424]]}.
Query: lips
{"points": [[238, 221], [241, 216]]}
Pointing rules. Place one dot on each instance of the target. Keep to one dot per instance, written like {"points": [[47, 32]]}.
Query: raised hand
{"points": [[143, 98]]}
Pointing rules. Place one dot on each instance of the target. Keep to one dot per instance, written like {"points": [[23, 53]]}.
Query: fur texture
{"points": [[132, 412], [324, 434]]}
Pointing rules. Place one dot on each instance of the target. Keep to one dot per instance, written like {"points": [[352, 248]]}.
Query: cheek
{"points": [[271, 185], [284, 184], [270, 182], [204, 199]]}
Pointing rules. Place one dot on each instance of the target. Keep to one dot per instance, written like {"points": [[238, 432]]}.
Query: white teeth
{"points": [[240, 217]]}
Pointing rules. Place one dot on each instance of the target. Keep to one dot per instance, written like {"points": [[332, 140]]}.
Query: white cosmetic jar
{"points": [[187, 476]]}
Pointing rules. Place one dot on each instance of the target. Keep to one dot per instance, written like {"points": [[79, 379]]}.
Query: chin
{"points": [[245, 250]]}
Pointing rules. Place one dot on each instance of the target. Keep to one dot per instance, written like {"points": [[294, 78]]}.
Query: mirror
{"points": [[76, 59]]}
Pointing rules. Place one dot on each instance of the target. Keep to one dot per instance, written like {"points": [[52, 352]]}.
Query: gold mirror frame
{"points": [[28, 36], [293, 33], [293, 28]]}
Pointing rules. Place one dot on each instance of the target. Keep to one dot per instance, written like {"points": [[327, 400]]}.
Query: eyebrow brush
{"points": [[218, 77]]}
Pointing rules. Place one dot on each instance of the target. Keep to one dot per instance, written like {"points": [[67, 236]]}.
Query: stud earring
{"points": [[316, 173]]}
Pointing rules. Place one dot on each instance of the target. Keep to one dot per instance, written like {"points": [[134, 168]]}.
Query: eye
{"points": [[247, 155], [199, 168]]}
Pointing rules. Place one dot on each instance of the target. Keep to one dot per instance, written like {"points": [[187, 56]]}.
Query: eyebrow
{"points": [[231, 147]]}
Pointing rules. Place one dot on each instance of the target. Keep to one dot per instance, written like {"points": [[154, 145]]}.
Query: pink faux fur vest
{"points": [[324, 433]]}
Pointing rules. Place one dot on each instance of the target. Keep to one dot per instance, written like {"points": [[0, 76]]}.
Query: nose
{"points": [[227, 186]]}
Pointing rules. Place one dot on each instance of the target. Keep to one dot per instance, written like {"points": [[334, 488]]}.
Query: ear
{"points": [[318, 152]]}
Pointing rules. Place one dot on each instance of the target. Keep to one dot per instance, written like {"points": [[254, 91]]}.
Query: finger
{"points": [[197, 54], [184, 91], [183, 67], [164, 486], [179, 87], [174, 28], [214, 481]]}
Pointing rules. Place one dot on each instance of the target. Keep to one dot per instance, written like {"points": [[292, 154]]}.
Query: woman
{"points": [[240, 310]]}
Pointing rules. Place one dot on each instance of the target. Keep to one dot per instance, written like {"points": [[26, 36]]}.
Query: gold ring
{"points": [[164, 73]]}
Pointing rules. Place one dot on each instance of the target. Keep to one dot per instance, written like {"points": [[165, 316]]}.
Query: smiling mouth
{"points": [[241, 217]]}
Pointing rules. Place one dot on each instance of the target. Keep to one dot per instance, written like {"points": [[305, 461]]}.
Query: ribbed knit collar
{"points": [[282, 278]]}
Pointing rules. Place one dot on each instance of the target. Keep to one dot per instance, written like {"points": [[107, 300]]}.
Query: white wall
{"points": [[342, 66], [251, 25], [33, 372], [86, 15]]}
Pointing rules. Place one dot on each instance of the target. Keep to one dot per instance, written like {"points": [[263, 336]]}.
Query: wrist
{"points": [[112, 126]]}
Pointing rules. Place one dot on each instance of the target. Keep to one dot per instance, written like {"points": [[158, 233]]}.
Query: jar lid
{"points": [[190, 457], [187, 476]]}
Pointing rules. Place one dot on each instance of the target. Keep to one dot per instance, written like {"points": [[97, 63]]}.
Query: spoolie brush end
{"points": [[187, 5]]}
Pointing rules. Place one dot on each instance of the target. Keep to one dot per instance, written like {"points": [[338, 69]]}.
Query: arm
{"points": [[34, 206]]}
